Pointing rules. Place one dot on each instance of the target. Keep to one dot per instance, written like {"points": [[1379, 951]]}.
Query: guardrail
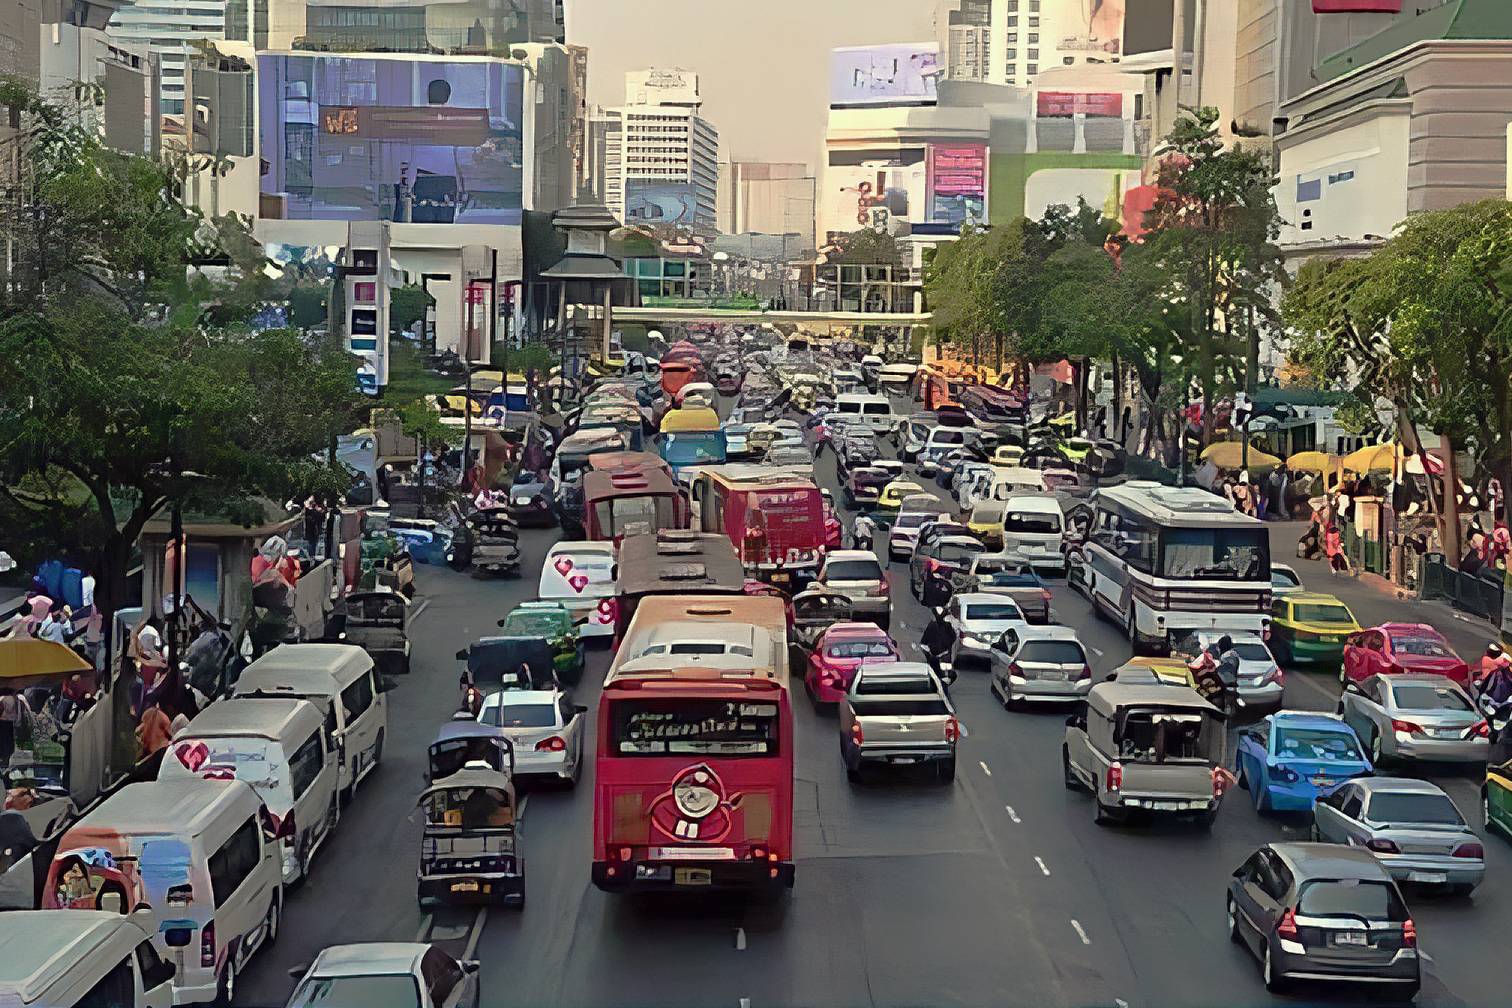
{"points": [[1479, 594]]}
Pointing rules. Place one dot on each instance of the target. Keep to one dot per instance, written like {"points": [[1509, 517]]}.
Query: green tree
{"points": [[126, 361], [308, 306], [407, 306], [868, 247]]}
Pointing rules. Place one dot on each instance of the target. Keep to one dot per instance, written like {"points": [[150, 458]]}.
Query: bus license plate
{"points": [[693, 876], [464, 887]]}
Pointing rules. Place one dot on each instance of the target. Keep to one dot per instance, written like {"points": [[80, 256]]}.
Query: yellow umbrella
{"points": [[29, 661], [1375, 457], [1229, 455], [1313, 461]]}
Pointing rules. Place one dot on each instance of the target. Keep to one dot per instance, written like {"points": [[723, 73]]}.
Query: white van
{"points": [[897, 377], [84, 958], [875, 411], [277, 745], [1033, 527], [196, 854], [1012, 481], [340, 680], [580, 575]]}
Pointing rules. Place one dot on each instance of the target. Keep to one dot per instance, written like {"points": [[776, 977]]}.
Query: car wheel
{"points": [[946, 771], [1103, 816], [1273, 983], [1408, 991], [1313, 835], [1233, 921], [1067, 777]]}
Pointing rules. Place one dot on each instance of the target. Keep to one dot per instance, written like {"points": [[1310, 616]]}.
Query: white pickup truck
{"points": [[897, 714]]}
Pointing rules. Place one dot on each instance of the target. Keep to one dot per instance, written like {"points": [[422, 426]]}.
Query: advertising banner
{"points": [[660, 202], [861, 196], [412, 138], [1098, 33], [1052, 104], [956, 183], [905, 73]]}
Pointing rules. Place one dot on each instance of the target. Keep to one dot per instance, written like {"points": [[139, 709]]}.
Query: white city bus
{"points": [[1165, 561]]}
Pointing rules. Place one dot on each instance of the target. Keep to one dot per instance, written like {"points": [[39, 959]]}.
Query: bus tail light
{"points": [[624, 853], [554, 744], [207, 945], [1115, 776]]}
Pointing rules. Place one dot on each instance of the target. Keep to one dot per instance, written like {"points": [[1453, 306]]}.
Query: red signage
{"points": [[1052, 104], [1357, 6]]}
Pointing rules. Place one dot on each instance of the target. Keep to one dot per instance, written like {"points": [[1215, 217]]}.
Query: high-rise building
{"points": [[1013, 41], [657, 156], [168, 28], [766, 198]]}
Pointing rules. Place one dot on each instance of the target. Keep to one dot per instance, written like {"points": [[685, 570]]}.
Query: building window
{"points": [[1034, 6], [1311, 189], [1033, 69], [1034, 22], [1034, 38], [1034, 55], [1012, 37], [1011, 69], [365, 292], [1013, 21]]}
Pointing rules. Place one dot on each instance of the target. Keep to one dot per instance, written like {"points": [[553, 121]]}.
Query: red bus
{"points": [[625, 502], [773, 520], [693, 781]]}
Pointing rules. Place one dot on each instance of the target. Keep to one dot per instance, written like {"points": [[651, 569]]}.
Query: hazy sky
{"points": [[762, 64]]}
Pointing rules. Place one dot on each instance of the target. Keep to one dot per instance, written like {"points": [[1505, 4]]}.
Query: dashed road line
{"points": [[985, 768], [1079, 932], [1096, 651], [1120, 1003], [1042, 867], [424, 604], [476, 934], [740, 940], [1012, 814], [745, 1003]]}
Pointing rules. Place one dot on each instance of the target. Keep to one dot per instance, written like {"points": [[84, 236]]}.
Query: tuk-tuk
{"points": [[500, 663], [814, 611], [494, 538], [470, 849], [464, 740], [1146, 747], [378, 622], [552, 622]]}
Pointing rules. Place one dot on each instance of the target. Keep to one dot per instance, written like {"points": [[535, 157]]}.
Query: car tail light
{"points": [[1406, 726], [554, 744], [1045, 594], [1286, 927], [1409, 934], [884, 587], [1481, 729], [1276, 675], [207, 945], [1115, 776], [1469, 850], [1085, 673], [952, 729], [1014, 668], [1383, 846], [857, 735]]}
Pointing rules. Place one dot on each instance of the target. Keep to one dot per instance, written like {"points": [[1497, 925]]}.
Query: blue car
{"points": [[1289, 760]]}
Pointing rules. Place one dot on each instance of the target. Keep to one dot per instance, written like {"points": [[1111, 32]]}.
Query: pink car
{"points": [[841, 650]]}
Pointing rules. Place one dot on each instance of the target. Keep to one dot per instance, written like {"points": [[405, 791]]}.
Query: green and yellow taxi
{"points": [[890, 501], [1167, 671], [1310, 628], [1496, 795], [553, 622]]}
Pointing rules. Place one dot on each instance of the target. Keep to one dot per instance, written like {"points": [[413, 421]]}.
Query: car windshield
{"points": [[990, 611], [1422, 647], [1052, 652], [987, 516], [859, 649], [853, 570], [1316, 744], [956, 553], [394, 991], [1031, 521], [1314, 613], [1222, 554], [1372, 900], [942, 436], [1284, 579], [693, 448], [518, 715], [1413, 807], [913, 519], [1251, 651], [1430, 698]]}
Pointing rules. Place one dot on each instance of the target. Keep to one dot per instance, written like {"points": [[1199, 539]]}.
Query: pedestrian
{"points": [[1333, 547], [58, 626], [937, 589], [155, 730], [937, 640]]}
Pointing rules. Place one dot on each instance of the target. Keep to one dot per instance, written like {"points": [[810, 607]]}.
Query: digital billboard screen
{"points": [[877, 75], [411, 139], [956, 182], [1064, 104], [660, 202]]}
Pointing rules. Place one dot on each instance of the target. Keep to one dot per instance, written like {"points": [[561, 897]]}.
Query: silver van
{"points": [[1146, 748], [68, 958]]}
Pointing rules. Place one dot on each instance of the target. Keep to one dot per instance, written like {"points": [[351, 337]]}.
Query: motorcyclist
{"points": [[1494, 659], [1216, 670], [938, 638], [863, 532]]}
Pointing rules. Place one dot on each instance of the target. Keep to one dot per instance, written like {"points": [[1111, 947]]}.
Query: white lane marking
{"points": [[740, 939], [476, 934], [745, 1003], [1096, 651], [1079, 932], [424, 932], [1042, 867], [424, 604], [1012, 814], [1120, 1003], [985, 768]]}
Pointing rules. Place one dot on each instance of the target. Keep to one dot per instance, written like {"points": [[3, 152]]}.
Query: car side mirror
{"points": [[462, 655], [470, 965], [579, 709], [499, 624]]}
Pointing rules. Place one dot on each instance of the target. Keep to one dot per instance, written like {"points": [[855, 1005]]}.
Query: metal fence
{"points": [[1479, 594]]}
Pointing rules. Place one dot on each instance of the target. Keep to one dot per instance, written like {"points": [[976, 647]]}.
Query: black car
{"points": [[862, 486], [530, 505], [1314, 911]]}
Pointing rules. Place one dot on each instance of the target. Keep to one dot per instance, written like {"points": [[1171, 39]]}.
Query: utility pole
{"points": [[1178, 53]]}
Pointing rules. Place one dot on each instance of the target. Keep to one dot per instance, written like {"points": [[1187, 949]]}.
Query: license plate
{"points": [[1320, 781], [1427, 876], [901, 760], [693, 876], [1446, 733], [1328, 640], [1351, 938], [464, 887], [1165, 806]]}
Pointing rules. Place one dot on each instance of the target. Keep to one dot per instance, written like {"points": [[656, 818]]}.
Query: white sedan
{"points": [[545, 728], [392, 974], [980, 619]]}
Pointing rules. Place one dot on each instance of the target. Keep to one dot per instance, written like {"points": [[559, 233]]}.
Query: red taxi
{"points": [[841, 650], [1401, 649]]}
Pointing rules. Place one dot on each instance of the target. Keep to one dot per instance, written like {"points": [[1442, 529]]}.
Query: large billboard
{"points": [[956, 184], [1064, 104], [878, 197], [405, 138], [1097, 32], [649, 202], [903, 73]]}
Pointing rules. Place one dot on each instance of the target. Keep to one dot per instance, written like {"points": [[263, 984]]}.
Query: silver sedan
{"points": [[1415, 717], [1411, 826]]}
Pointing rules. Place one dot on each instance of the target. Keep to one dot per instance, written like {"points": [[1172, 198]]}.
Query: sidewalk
{"points": [[1374, 599]]}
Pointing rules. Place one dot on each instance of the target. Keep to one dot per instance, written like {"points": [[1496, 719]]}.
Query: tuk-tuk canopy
{"points": [[472, 798], [609, 461], [682, 421], [382, 604], [29, 661], [463, 741], [491, 659], [601, 485], [537, 619]]}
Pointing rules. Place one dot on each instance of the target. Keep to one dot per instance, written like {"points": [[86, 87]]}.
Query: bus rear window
{"points": [[693, 726]]}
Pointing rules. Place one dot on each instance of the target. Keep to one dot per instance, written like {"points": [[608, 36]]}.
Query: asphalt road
{"points": [[998, 889]]}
